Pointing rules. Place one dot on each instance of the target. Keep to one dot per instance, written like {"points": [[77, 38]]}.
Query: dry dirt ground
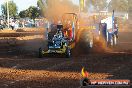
{"points": [[20, 67]]}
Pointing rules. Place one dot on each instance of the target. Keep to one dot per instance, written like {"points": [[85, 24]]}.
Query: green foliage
{"points": [[50, 8], [97, 4], [32, 12], [12, 9], [23, 14], [119, 5], [130, 5], [42, 6]]}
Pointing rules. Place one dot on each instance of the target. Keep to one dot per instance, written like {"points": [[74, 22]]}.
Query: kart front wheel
{"points": [[40, 53], [91, 43], [68, 52], [115, 40]]}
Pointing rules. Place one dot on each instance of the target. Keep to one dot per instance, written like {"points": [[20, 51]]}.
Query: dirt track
{"points": [[19, 67]]}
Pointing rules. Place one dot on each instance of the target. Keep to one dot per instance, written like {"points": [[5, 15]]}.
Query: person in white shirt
{"points": [[12, 25]]}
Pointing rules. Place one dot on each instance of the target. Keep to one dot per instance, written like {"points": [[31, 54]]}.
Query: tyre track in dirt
{"points": [[55, 72]]}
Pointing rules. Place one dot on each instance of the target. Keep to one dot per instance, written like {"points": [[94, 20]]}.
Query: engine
{"points": [[58, 39]]}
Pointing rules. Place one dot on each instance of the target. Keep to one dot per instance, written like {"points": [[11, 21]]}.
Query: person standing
{"points": [[47, 26], [1, 24], [12, 25], [23, 24]]}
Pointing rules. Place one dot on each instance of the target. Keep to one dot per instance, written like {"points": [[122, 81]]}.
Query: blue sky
{"points": [[24, 4]]}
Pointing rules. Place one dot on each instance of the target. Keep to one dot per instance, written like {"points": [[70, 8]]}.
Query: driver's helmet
{"points": [[60, 33], [59, 22], [69, 22]]}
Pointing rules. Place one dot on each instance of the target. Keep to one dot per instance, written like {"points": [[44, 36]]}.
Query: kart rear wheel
{"points": [[40, 53], [112, 42], [91, 43], [68, 52], [115, 40]]}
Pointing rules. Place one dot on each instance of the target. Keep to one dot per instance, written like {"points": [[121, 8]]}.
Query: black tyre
{"points": [[91, 43], [115, 40], [40, 53], [68, 52]]}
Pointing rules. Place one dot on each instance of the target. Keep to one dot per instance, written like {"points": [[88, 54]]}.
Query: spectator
{"points": [[23, 24], [12, 25], [1, 24], [17, 24], [47, 26]]}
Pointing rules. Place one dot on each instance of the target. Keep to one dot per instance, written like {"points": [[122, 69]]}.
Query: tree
{"points": [[12, 9], [96, 5], [33, 12], [119, 5], [130, 9], [23, 14], [56, 8], [41, 6]]}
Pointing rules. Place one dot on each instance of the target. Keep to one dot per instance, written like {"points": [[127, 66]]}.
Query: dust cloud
{"points": [[56, 8]]}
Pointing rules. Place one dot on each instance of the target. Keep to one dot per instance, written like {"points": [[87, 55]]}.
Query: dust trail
{"points": [[82, 41], [56, 8]]}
